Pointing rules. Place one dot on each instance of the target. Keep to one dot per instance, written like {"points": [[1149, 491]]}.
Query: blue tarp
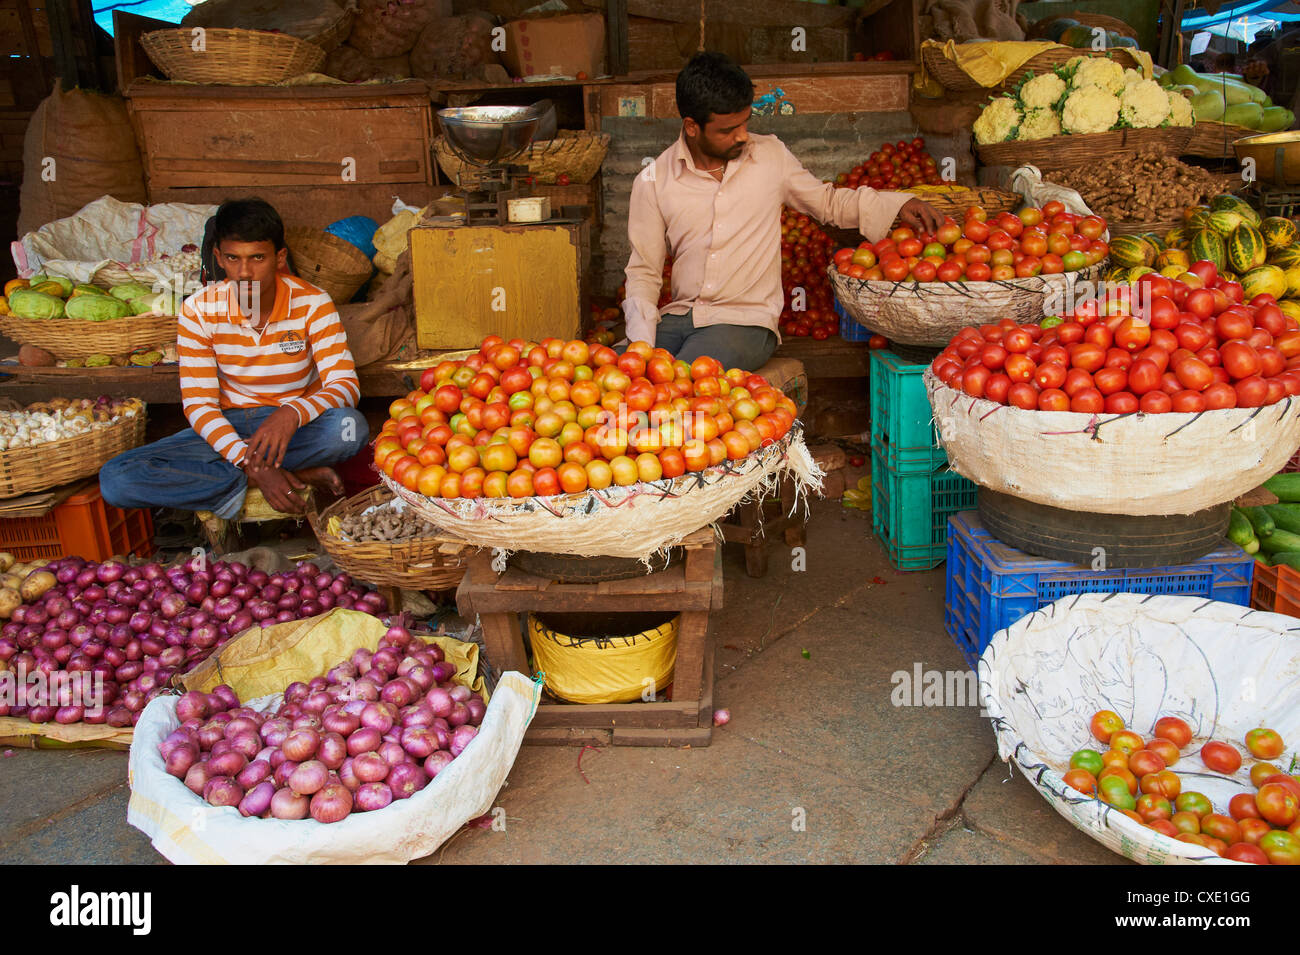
{"points": [[170, 10], [1264, 9]]}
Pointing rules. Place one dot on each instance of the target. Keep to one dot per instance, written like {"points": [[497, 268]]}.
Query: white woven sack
{"points": [[634, 521], [1139, 464], [187, 830], [1224, 669]]}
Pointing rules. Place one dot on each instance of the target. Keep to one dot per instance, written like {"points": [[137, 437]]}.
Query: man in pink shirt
{"points": [[713, 200]]}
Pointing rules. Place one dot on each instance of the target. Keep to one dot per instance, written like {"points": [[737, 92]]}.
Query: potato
{"points": [[36, 584], [7, 560], [10, 600], [38, 562], [12, 581]]}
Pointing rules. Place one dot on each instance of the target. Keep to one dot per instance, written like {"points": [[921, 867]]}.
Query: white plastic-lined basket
{"points": [[632, 522], [1224, 669], [1136, 464]]}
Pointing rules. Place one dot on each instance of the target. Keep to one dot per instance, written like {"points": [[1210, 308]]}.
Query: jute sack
{"points": [[79, 146], [381, 328], [634, 521], [931, 313], [1141, 464], [1144, 657], [385, 28]]}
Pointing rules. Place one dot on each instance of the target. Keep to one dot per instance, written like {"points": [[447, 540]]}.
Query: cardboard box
{"points": [[564, 45]]}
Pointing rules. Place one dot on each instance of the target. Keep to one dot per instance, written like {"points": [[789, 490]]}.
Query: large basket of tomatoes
{"points": [[1164, 397], [1126, 712], [561, 447], [921, 289]]}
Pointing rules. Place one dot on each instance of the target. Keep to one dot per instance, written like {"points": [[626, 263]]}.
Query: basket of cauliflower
{"points": [[55, 442], [1087, 110]]}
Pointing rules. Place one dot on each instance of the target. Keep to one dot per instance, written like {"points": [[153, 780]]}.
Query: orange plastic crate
{"points": [[1276, 589], [82, 526]]}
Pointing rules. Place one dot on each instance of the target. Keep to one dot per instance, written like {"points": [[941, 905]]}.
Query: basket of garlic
{"points": [[63, 440]]}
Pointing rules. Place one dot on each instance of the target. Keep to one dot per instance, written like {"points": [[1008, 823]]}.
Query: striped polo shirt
{"points": [[300, 358]]}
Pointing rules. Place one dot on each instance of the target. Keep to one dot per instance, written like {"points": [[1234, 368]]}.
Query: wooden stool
{"points": [[692, 587], [225, 535], [749, 524]]}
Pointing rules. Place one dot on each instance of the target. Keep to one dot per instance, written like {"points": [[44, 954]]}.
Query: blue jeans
{"points": [[183, 471], [736, 346]]}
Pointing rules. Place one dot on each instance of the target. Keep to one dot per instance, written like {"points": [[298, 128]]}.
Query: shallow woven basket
{"points": [[1214, 140], [952, 77], [574, 153], [119, 273], [1139, 464], [931, 313], [956, 202], [1058, 152], [1160, 227], [231, 57], [419, 563], [81, 338], [332, 264], [28, 470], [634, 521]]}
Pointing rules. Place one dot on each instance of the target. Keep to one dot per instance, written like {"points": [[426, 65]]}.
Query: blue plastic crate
{"points": [[850, 330], [909, 512], [990, 585], [902, 430]]}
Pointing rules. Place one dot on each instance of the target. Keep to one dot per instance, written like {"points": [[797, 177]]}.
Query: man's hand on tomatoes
{"points": [[920, 215], [268, 445], [277, 486]]}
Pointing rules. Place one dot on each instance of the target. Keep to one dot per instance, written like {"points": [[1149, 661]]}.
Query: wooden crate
{"points": [[258, 136], [521, 281], [693, 587]]}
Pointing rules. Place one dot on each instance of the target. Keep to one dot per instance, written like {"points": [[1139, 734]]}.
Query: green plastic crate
{"points": [[909, 512], [902, 431]]}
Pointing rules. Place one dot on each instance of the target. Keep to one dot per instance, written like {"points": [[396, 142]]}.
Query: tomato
{"points": [[1088, 759], [1245, 852], [1155, 402], [1220, 395], [1193, 374], [1221, 757], [1282, 848], [1164, 749], [974, 379], [1023, 395], [1143, 376], [1087, 355], [1264, 743], [1050, 374], [1192, 337], [1271, 361], [1076, 380], [1081, 780], [1119, 772], [1252, 827], [1187, 823], [1099, 334], [993, 356], [1251, 392], [1260, 772], [1152, 807], [1053, 399], [1164, 783], [1088, 401], [1194, 802], [1239, 358], [1110, 380], [997, 387], [1114, 792]]}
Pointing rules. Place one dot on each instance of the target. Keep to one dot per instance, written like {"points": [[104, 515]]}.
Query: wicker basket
{"points": [[332, 264], [931, 313], [955, 203], [1137, 228], [28, 470], [119, 273], [231, 57], [80, 338], [335, 33], [1214, 140], [1059, 152], [952, 77], [574, 153], [421, 563], [1113, 24]]}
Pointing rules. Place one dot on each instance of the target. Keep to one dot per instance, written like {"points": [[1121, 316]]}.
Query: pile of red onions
{"points": [[376, 728], [140, 626]]}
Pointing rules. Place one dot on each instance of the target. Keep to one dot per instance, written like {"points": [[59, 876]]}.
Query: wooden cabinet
{"points": [[522, 281]]}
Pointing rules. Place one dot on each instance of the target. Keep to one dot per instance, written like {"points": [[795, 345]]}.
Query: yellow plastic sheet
{"points": [[615, 671]]}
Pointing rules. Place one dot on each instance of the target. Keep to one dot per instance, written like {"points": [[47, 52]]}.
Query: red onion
{"points": [[254, 773], [192, 706], [118, 716], [171, 605], [419, 741], [301, 745], [223, 791], [257, 801], [397, 692], [309, 777], [284, 771], [37, 615], [196, 593], [228, 763], [53, 638], [477, 710], [397, 636], [442, 672], [372, 796], [308, 721], [85, 578], [354, 708], [417, 715], [287, 804], [204, 636], [437, 763], [460, 738], [342, 673], [274, 731], [258, 578], [339, 721], [370, 767], [285, 616], [365, 689], [242, 724], [392, 752], [226, 697], [308, 592], [331, 804], [152, 646], [132, 649], [364, 740], [325, 601], [347, 776], [276, 758], [261, 609], [422, 677], [459, 715], [196, 778], [240, 622], [109, 571], [128, 671], [441, 732], [219, 716], [332, 751], [460, 694], [345, 602], [225, 608], [272, 593], [220, 588], [69, 714], [386, 661], [289, 601], [440, 702], [376, 717], [406, 779], [245, 743], [141, 587]]}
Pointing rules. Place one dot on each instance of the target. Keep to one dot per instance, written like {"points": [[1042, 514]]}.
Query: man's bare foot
{"points": [[322, 477]]}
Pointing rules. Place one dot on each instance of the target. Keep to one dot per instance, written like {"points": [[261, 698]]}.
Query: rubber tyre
{"points": [[570, 569], [1128, 542], [605, 625]]}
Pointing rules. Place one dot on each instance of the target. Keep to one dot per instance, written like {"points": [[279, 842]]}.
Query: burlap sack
{"points": [[386, 28], [352, 66], [382, 328], [454, 47], [79, 146], [307, 19]]}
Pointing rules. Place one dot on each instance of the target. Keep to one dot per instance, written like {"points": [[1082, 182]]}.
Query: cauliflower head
{"points": [[1090, 109], [1132, 78], [998, 122], [1097, 71], [1180, 110], [1144, 105], [1041, 92], [1039, 124]]}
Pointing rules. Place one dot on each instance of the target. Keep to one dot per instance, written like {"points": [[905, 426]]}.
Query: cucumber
{"points": [[1285, 516], [1260, 521], [1252, 547], [1285, 486], [1290, 558], [1240, 531], [1280, 541]]}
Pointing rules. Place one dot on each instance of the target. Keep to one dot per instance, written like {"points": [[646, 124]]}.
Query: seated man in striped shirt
{"points": [[267, 384]]}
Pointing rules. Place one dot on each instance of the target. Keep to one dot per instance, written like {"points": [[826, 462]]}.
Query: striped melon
{"points": [[1207, 246], [1176, 238], [1127, 251], [1138, 271], [1172, 271], [1290, 308], [1278, 232], [1292, 281], [1225, 223], [1200, 220], [1263, 280], [1172, 258], [1285, 257], [1153, 240], [1230, 203], [1229, 276], [1116, 274], [1245, 247], [1192, 212]]}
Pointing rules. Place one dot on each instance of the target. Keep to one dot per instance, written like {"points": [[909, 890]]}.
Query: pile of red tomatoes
{"points": [[894, 166]]}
